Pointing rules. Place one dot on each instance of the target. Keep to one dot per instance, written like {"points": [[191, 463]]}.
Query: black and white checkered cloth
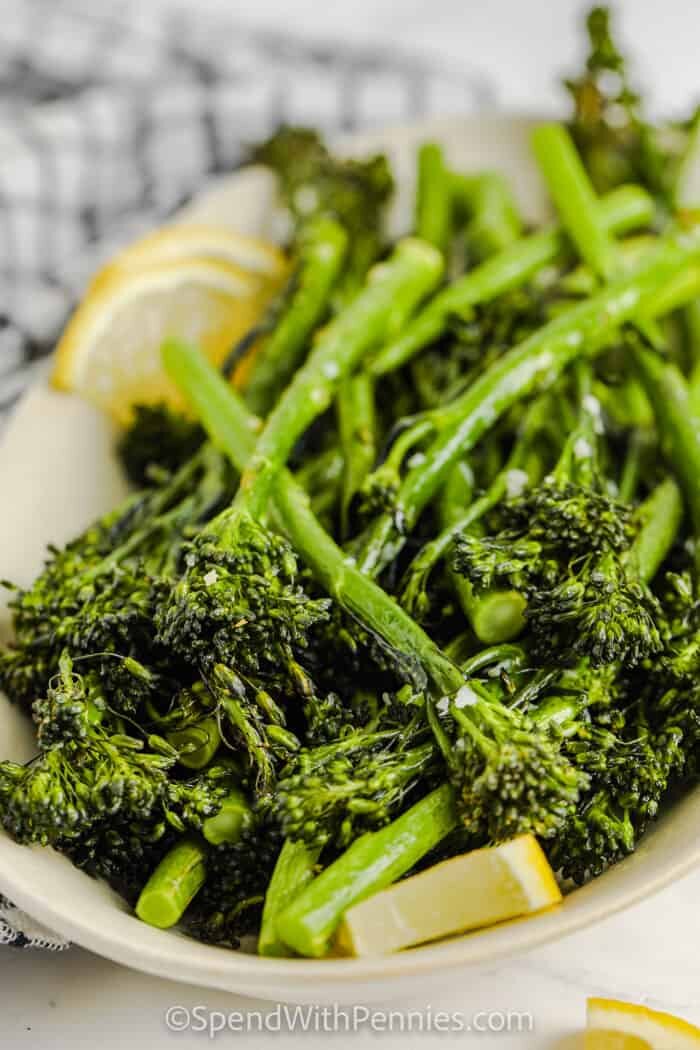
{"points": [[108, 123]]}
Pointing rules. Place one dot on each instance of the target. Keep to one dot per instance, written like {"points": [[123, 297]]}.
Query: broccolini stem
{"points": [[326, 493], [691, 317], [371, 863], [660, 517], [433, 203], [679, 429], [455, 497], [404, 436], [322, 249], [435, 550], [230, 821], [230, 426], [523, 467], [624, 209], [672, 294], [632, 468], [694, 390], [293, 871], [174, 884], [575, 199], [494, 222], [230, 693], [356, 593], [224, 416], [321, 471], [510, 656], [196, 744], [536, 362], [357, 430], [392, 291], [457, 493], [496, 615]]}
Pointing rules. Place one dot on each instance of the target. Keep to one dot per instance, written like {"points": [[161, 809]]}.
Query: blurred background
{"points": [[523, 47]]}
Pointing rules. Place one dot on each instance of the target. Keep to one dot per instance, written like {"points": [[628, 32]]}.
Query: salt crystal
{"points": [[466, 697]]}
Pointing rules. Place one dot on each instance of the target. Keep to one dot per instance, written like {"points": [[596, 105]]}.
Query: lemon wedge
{"points": [[614, 1025], [200, 241], [110, 350], [463, 893]]}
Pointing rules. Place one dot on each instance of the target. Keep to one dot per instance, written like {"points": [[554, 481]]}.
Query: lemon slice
{"points": [[463, 893], [614, 1025], [203, 241], [110, 350]]}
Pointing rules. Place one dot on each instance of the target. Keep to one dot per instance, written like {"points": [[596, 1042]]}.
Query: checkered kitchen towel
{"points": [[108, 123]]}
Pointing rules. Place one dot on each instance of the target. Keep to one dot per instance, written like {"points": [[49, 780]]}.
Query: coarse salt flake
{"points": [[516, 480], [465, 697]]}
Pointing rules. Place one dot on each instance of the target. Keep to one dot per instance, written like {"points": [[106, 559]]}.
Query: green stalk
{"points": [[577, 204], [691, 319], [196, 745], [231, 427], [679, 428], [294, 869], [357, 428], [436, 549], [433, 203], [322, 476], [357, 594], [659, 518], [500, 655], [631, 473], [524, 457], [232, 819], [372, 862], [664, 384], [498, 615], [694, 390], [392, 291], [321, 471], [456, 496], [624, 209], [583, 280], [672, 294], [494, 225], [173, 885], [322, 250], [494, 222], [182, 871], [256, 741], [534, 364], [691, 324], [410, 433]]}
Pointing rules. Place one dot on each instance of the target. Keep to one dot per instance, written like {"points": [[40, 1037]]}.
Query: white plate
{"points": [[57, 471]]}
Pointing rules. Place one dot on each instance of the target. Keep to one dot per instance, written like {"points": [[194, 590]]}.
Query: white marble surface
{"points": [[649, 953]]}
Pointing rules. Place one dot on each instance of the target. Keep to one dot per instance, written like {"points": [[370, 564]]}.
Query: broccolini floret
{"points": [[509, 774]]}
